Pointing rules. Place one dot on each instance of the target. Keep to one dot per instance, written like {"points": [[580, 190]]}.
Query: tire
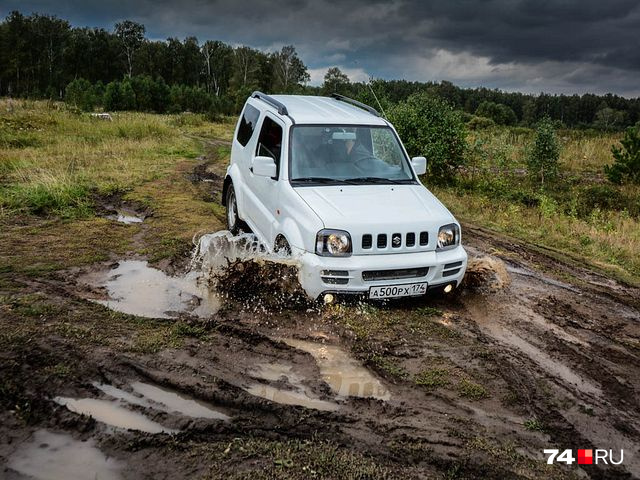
{"points": [[282, 246], [233, 219]]}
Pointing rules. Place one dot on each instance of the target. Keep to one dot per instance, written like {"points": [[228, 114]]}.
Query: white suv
{"points": [[328, 180]]}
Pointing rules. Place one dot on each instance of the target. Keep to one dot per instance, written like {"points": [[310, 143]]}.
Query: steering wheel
{"points": [[358, 163]]}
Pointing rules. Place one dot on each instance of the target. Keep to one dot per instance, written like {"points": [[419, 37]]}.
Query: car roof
{"points": [[309, 109]]}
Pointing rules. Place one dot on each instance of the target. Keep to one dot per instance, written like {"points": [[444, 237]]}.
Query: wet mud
{"points": [[533, 352]]}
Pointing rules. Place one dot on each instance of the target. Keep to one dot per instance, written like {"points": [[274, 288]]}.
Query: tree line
{"points": [[42, 56]]}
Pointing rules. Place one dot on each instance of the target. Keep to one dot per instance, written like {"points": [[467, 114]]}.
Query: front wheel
{"points": [[233, 220]]}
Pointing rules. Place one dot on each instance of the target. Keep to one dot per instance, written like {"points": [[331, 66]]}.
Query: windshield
{"points": [[347, 154]]}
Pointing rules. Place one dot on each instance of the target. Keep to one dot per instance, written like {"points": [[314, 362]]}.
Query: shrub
{"points": [[81, 94], [543, 156], [603, 197], [111, 98], [480, 123], [183, 98], [119, 96], [429, 126], [626, 168], [499, 113]]}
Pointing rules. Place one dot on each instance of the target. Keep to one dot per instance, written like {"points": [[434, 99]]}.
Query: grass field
{"points": [[57, 166], [581, 213]]}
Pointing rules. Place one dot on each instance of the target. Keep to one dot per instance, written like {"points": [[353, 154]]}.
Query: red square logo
{"points": [[585, 457]]}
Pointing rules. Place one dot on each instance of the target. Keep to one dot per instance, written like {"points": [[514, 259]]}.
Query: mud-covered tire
{"points": [[234, 222], [282, 246]]}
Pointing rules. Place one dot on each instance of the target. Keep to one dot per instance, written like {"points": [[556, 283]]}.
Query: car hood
{"points": [[375, 206]]}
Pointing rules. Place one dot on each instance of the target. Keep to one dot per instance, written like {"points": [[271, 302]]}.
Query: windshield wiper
{"points": [[318, 180], [378, 180]]}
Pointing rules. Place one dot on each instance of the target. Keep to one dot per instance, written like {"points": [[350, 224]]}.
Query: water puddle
{"points": [[164, 399], [299, 395], [345, 376], [111, 413], [174, 402], [138, 289], [54, 456], [126, 216]]}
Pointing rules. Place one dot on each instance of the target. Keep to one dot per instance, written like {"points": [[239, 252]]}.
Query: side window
{"points": [[247, 124], [270, 141]]}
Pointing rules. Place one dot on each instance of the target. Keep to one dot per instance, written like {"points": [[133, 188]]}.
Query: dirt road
{"points": [[538, 353]]}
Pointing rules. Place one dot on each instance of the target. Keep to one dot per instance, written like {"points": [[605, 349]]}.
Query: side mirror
{"points": [[419, 165], [264, 167]]}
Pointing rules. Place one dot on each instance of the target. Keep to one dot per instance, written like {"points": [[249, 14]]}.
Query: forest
{"points": [[45, 57]]}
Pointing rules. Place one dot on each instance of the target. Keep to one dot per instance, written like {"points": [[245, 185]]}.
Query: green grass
{"points": [[388, 366], [50, 190], [534, 425], [261, 458], [432, 378], [581, 213], [472, 390], [53, 159]]}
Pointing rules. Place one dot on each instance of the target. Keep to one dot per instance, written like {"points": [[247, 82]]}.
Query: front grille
{"points": [[395, 240], [395, 274], [448, 273]]}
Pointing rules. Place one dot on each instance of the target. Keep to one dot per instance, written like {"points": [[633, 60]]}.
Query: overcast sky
{"points": [[555, 46]]}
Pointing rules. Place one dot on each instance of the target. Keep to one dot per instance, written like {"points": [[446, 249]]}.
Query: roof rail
{"points": [[282, 110], [364, 106]]}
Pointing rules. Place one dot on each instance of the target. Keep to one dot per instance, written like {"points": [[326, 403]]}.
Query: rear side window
{"points": [[247, 124]]}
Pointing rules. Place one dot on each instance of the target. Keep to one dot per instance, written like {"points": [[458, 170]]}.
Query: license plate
{"points": [[395, 291]]}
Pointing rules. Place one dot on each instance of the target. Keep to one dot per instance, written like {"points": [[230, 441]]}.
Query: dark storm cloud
{"points": [[530, 45]]}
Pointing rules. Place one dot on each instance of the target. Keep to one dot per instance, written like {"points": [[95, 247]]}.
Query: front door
{"points": [[269, 144]]}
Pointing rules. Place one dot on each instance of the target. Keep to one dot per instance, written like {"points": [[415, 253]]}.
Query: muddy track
{"points": [[471, 387]]}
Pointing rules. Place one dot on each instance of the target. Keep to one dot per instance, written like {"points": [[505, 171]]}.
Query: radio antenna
{"points": [[377, 101]]}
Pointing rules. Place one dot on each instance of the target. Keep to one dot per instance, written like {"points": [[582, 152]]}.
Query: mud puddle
{"points": [[345, 376], [110, 412], [135, 288], [54, 456], [126, 216], [160, 398], [296, 394]]}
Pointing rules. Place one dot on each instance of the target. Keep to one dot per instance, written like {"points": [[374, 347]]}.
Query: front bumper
{"points": [[346, 274]]}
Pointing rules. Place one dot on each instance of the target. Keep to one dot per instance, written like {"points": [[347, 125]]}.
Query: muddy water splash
{"points": [[486, 274], [53, 456], [345, 376], [240, 268]]}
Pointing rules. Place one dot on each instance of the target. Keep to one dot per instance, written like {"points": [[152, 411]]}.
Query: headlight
{"points": [[333, 243], [448, 236]]}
